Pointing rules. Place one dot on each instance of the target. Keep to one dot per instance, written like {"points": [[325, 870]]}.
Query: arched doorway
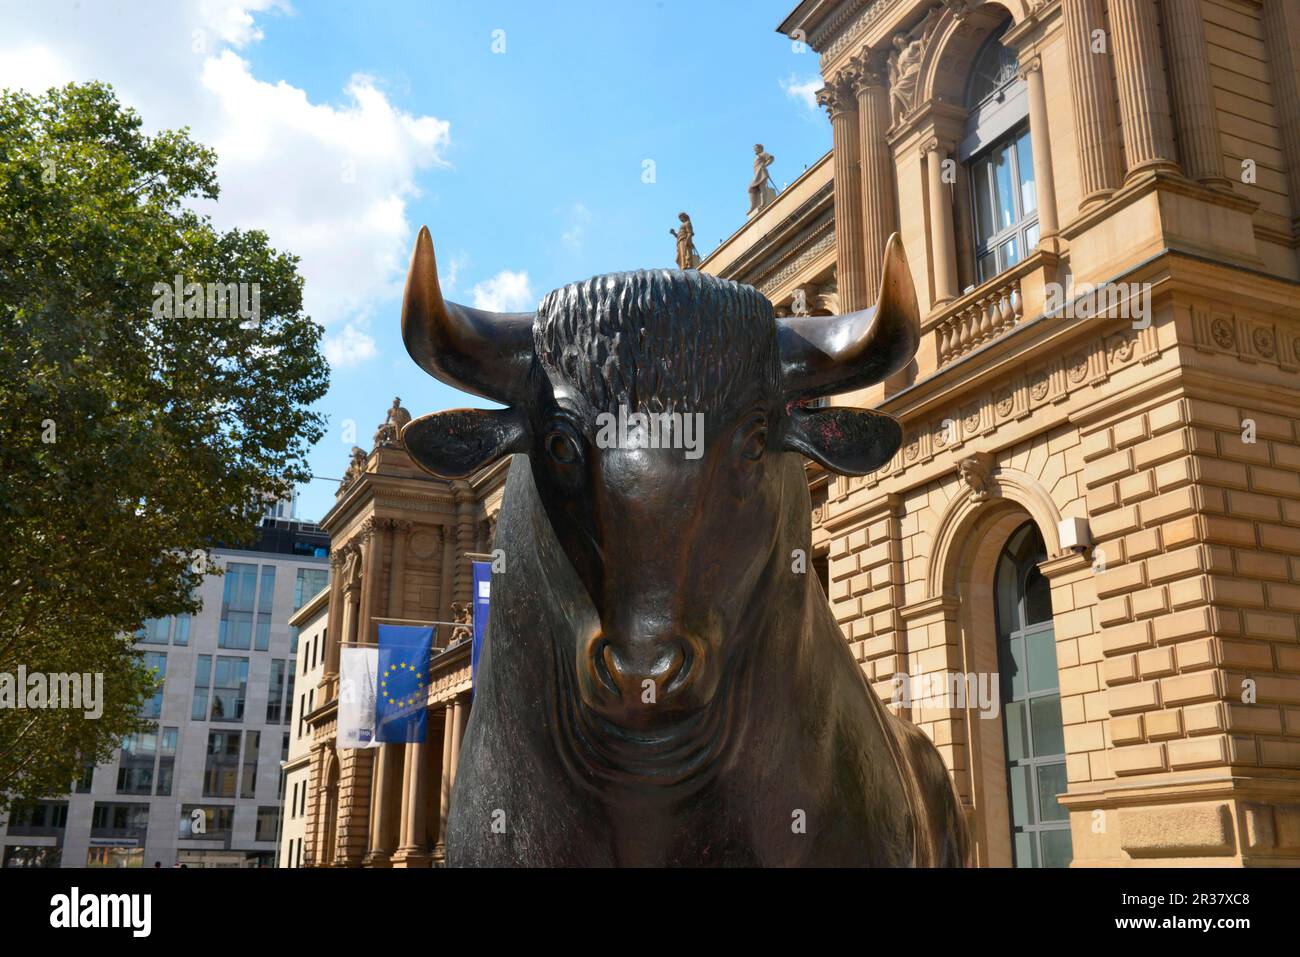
{"points": [[1029, 684], [330, 817]]}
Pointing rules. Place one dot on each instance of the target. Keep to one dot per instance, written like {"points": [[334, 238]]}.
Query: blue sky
{"points": [[343, 127]]}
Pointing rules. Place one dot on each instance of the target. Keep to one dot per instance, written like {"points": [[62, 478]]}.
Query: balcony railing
{"points": [[982, 315]]}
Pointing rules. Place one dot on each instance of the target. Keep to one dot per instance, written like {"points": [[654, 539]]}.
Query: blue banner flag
{"points": [[482, 594], [404, 656]]}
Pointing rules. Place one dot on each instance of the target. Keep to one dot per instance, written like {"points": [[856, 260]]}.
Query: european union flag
{"points": [[404, 656]]}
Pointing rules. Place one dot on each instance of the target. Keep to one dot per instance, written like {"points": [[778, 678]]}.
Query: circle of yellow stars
{"points": [[397, 669]]}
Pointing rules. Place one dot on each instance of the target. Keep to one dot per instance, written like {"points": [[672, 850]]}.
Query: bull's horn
{"points": [[825, 355], [486, 353]]}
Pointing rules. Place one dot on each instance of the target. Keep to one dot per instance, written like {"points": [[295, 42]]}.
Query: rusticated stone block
{"points": [[1200, 830]]}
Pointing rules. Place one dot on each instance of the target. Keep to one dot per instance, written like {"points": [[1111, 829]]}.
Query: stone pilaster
{"points": [[1143, 94], [1093, 93], [842, 105]]}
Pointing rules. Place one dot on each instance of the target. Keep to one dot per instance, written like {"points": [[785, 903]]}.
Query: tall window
{"points": [[221, 770], [236, 628], [229, 689], [265, 602], [307, 584], [1031, 703], [999, 158], [275, 693], [155, 661], [139, 758]]}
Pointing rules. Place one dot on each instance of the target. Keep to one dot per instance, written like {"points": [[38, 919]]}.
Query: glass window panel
{"points": [[1008, 605], [1045, 719], [1013, 668], [156, 662], [1051, 782], [1021, 797], [222, 766], [154, 631], [1038, 598], [263, 640], [1057, 851], [983, 201], [1005, 187], [1042, 661], [166, 761], [1025, 167], [181, 634], [1031, 237], [266, 589], [1017, 741], [202, 680], [1008, 253], [248, 785], [1026, 856]]}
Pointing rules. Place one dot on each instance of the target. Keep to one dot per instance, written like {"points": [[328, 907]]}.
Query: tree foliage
{"points": [[133, 437]]}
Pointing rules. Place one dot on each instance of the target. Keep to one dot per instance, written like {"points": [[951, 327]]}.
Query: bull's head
{"points": [[671, 546]]}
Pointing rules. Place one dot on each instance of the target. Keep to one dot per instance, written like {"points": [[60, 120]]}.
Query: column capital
{"points": [[1032, 65], [934, 144], [838, 96], [870, 71]]}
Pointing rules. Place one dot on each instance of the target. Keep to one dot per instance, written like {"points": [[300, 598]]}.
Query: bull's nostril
{"points": [[607, 668], [679, 669]]}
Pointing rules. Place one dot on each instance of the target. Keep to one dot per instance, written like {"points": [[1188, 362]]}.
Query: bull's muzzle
{"points": [[639, 680]]}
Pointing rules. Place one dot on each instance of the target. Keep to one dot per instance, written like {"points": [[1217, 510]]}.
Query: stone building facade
{"points": [[1097, 498], [401, 555]]}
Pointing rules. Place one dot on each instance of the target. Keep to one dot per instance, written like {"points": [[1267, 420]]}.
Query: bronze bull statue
{"points": [[662, 682]]}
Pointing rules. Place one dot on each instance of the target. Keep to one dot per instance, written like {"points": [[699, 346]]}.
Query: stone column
{"points": [[1040, 139], [943, 246], [850, 257], [1193, 95], [413, 853], [444, 804], [381, 823], [879, 215], [1093, 95], [462, 706], [1143, 95], [464, 574]]}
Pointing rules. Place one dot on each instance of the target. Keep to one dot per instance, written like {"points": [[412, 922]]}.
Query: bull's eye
{"points": [[754, 438], [563, 446]]}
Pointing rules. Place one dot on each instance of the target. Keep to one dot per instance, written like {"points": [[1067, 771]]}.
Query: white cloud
{"points": [[507, 291], [803, 90], [329, 182], [579, 217], [349, 347]]}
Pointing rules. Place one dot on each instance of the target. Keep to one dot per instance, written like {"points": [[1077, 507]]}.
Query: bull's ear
{"points": [[459, 442], [847, 441]]}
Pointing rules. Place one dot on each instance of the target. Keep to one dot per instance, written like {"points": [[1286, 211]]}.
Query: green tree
{"points": [[135, 433]]}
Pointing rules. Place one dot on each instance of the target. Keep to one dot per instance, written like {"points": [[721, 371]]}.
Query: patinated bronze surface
{"points": [[663, 681]]}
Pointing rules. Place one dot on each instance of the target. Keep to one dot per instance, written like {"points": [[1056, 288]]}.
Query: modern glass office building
{"points": [[203, 788]]}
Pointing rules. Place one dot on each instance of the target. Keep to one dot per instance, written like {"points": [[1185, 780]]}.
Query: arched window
{"points": [[1031, 703], [996, 150]]}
